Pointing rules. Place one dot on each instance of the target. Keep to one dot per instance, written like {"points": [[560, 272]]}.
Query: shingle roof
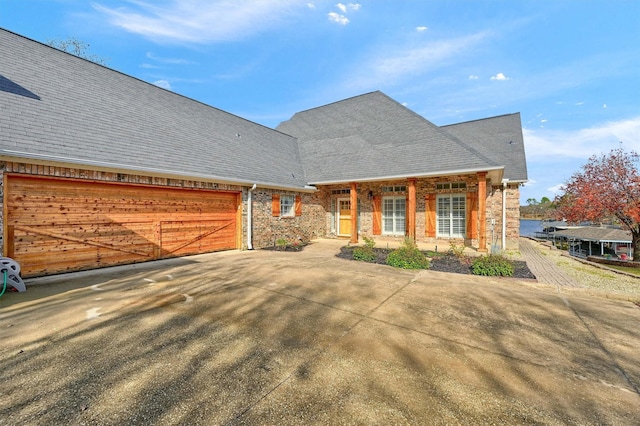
{"points": [[500, 138], [592, 233], [372, 136], [56, 106]]}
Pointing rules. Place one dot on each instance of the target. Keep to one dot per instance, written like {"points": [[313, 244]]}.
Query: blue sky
{"points": [[571, 68]]}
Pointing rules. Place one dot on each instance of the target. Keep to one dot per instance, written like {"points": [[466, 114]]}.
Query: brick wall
{"points": [[267, 229], [494, 211], [428, 186]]}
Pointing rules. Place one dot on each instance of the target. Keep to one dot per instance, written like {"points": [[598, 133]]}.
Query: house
{"points": [[100, 168]]}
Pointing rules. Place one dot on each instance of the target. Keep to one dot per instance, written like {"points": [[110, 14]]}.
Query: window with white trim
{"points": [[451, 216], [451, 185], [393, 215], [287, 206]]}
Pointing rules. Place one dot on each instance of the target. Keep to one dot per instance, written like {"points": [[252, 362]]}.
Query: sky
{"points": [[570, 68]]}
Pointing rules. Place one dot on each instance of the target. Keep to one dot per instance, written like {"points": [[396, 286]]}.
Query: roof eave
{"points": [[495, 175], [41, 159]]}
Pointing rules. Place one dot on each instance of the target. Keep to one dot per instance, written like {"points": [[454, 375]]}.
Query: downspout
{"points": [[504, 213], [249, 216]]}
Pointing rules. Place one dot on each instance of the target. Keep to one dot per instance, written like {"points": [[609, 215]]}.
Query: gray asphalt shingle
{"points": [[500, 138], [57, 106], [372, 136]]}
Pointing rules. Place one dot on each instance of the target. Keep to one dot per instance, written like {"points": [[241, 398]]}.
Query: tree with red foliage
{"points": [[607, 186]]}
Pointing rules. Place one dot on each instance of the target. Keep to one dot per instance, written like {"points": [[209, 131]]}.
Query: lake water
{"points": [[529, 227]]}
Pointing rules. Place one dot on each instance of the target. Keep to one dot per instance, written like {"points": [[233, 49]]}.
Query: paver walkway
{"points": [[543, 268]]}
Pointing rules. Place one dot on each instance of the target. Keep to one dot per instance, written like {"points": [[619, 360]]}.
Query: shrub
{"points": [[408, 257], [369, 242], [365, 253], [493, 265], [456, 250]]}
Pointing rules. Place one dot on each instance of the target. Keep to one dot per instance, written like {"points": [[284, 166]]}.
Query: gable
{"points": [[500, 138], [372, 137]]}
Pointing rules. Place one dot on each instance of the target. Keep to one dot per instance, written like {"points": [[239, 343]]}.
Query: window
{"points": [[393, 215], [451, 216], [346, 191], [451, 185], [286, 205], [394, 188]]}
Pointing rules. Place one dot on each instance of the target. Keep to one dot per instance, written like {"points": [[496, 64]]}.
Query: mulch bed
{"points": [[442, 262]]}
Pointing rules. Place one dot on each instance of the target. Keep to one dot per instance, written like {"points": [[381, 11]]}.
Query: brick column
{"points": [[482, 211], [354, 212]]}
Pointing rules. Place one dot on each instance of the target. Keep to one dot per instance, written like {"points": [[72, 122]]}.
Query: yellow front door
{"points": [[344, 217]]}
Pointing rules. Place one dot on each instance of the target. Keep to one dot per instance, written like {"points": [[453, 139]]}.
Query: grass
{"points": [[634, 271]]}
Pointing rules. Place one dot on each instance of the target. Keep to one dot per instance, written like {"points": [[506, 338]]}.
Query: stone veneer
{"points": [[267, 229]]}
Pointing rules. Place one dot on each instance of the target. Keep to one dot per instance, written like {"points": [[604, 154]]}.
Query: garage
{"points": [[55, 225]]}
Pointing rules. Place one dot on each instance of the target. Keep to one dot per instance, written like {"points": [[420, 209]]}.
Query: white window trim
{"points": [[395, 217], [450, 197], [287, 209]]}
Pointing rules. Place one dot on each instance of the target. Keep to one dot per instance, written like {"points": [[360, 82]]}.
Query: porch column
{"points": [[482, 211], [411, 210], [354, 212]]}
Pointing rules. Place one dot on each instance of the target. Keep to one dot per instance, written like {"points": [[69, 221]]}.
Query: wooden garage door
{"points": [[55, 225]]}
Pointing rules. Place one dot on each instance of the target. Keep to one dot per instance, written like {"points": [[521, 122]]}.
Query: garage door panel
{"points": [[63, 225], [190, 237]]}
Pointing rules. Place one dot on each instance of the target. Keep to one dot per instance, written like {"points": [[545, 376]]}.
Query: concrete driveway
{"points": [[301, 338]]}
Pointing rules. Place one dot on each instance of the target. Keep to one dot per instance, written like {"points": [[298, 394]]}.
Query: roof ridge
{"points": [[481, 119], [340, 101]]}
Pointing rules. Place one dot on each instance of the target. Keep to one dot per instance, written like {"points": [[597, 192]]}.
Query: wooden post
{"points": [[411, 210], [482, 211], [354, 212]]}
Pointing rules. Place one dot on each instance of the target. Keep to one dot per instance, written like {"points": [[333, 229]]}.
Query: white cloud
{"points": [[604, 106], [192, 20], [337, 18], [311, 5], [556, 189], [162, 60], [163, 83], [420, 29], [473, 77], [391, 64], [349, 7], [543, 144], [500, 76]]}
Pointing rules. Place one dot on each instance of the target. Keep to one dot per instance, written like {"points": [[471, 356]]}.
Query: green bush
{"points": [[364, 254], [369, 242], [408, 257], [493, 265]]}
